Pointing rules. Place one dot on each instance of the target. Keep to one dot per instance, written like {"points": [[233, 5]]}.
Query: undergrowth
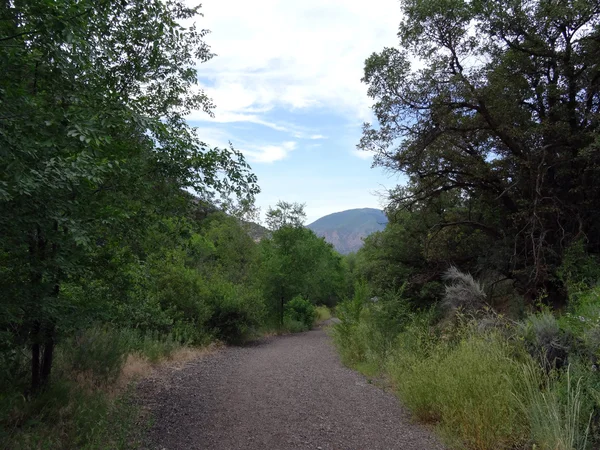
{"points": [[484, 381], [88, 403]]}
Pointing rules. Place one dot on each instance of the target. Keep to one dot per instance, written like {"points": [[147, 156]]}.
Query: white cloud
{"points": [[268, 153], [292, 55], [256, 152], [362, 154]]}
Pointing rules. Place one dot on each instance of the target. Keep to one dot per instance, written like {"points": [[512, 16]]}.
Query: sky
{"points": [[287, 89]]}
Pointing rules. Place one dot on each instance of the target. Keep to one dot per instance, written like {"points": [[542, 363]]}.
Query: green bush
{"points": [[68, 416], [236, 312], [300, 310], [181, 291], [293, 326], [323, 313], [463, 381], [348, 333], [368, 328], [74, 411], [100, 352], [485, 388]]}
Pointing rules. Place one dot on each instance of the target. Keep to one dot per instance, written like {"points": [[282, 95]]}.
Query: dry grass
{"points": [[137, 366]]}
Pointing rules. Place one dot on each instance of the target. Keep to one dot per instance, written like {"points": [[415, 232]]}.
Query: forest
{"points": [[124, 235], [121, 232]]}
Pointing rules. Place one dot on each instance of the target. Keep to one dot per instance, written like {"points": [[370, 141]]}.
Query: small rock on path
{"points": [[281, 393]]}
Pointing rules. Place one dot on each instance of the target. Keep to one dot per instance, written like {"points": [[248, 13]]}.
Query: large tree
{"points": [[498, 101], [93, 100]]}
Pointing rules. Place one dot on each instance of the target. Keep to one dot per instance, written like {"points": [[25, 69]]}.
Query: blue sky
{"points": [[287, 87]]}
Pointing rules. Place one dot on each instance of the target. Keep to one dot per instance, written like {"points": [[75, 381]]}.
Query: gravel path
{"points": [[282, 393]]}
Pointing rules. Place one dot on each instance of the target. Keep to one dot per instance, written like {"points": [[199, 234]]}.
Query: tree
{"points": [[285, 214], [503, 110], [93, 139], [295, 261]]}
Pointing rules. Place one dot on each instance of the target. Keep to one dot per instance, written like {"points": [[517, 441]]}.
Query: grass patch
{"points": [[368, 369], [466, 388], [88, 404], [553, 403]]}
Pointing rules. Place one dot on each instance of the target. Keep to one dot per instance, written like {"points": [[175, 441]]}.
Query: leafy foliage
{"points": [[94, 144], [300, 310], [504, 119], [285, 215], [297, 262]]}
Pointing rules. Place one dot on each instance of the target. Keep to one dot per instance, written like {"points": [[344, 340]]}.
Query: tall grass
{"points": [[83, 408], [555, 418], [481, 388], [464, 387]]}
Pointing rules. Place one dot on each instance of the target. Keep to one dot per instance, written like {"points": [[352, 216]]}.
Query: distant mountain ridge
{"points": [[345, 230]]}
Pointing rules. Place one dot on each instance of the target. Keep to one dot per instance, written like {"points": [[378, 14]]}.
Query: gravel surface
{"points": [[281, 393]]}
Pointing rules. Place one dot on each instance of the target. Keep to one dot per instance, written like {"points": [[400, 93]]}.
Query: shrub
{"points": [[346, 333], [545, 340], [236, 312], [463, 293], [69, 416], [101, 351], [181, 291], [300, 310], [293, 326]]}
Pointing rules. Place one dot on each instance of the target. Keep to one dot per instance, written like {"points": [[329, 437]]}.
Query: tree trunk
{"points": [[35, 359], [47, 358], [41, 361]]}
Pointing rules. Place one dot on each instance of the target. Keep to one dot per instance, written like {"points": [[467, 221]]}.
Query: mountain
{"points": [[347, 229]]}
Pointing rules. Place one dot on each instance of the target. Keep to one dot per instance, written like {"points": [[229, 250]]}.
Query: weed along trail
{"points": [[287, 392]]}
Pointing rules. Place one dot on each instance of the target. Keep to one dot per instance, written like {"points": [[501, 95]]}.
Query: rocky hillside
{"points": [[347, 229]]}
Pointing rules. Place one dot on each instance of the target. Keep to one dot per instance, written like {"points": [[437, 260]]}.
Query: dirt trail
{"points": [[282, 393]]}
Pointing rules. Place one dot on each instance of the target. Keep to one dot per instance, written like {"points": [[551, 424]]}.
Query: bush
{"points": [[293, 326], [545, 340], [69, 416], [101, 351], [368, 328], [463, 293], [348, 334], [180, 290], [76, 410], [300, 310], [236, 312]]}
